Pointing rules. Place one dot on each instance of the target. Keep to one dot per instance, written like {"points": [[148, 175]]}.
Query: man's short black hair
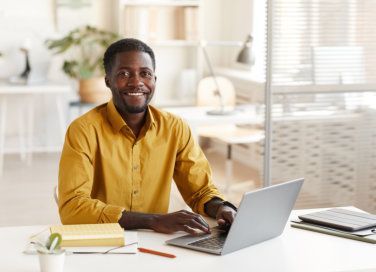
{"points": [[125, 45]]}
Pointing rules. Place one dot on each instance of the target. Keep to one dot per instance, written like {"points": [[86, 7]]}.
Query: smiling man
{"points": [[120, 158]]}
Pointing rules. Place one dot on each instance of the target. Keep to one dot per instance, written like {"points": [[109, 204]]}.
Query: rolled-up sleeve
{"points": [[76, 181], [192, 173]]}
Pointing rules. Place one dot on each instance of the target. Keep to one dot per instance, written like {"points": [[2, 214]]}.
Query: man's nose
{"points": [[135, 80]]}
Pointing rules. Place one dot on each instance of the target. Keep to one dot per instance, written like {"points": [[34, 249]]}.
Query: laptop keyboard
{"points": [[212, 242]]}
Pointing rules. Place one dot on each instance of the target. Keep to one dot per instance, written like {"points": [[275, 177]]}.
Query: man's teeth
{"points": [[135, 94]]}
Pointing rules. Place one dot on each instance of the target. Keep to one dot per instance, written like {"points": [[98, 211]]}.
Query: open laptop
{"points": [[262, 215]]}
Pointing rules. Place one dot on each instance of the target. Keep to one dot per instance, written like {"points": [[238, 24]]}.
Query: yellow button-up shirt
{"points": [[105, 170]]}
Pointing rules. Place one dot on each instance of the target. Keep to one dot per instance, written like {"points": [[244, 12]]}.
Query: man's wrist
{"points": [[229, 204], [212, 207], [134, 220], [152, 221]]}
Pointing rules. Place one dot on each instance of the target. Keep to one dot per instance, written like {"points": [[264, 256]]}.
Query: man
{"points": [[119, 159]]}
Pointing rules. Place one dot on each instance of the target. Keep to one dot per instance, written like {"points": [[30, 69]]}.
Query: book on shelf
{"points": [[162, 23], [90, 235], [191, 29]]}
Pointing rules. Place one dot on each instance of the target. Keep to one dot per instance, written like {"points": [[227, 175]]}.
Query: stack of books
{"points": [[344, 223]]}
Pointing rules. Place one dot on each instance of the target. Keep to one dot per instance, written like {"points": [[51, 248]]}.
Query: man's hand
{"points": [[225, 216], [180, 221], [223, 213]]}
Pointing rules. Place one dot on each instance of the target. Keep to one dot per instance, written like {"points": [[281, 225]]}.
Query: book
{"points": [[368, 236], [90, 235]]}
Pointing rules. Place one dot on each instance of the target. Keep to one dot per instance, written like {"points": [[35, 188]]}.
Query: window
{"points": [[323, 91]]}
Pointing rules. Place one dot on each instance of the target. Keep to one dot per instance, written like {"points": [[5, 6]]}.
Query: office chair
{"points": [[56, 195], [230, 135]]}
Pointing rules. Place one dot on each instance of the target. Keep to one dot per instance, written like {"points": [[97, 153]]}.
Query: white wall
{"points": [[22, 21], [226, 20], [33, 21]]}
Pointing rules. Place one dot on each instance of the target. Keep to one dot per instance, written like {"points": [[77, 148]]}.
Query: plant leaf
{"points": [[54, 241]]}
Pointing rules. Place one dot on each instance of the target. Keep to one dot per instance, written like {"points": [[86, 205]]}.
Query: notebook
{"points": [[367, 235], [341, 219], [90, 235], [262, 215]]}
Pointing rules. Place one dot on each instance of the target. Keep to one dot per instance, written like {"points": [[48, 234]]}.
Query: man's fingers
{"points": [[201, 223], [228, 216], [190, 230], [221, 221], [191, 222]]}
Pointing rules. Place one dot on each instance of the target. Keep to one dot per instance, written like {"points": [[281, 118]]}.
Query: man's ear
{"points": [[107, 81]]}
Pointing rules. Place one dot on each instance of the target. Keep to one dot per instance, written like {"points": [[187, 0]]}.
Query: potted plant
{"points": [[85, 47], [51, 256]]}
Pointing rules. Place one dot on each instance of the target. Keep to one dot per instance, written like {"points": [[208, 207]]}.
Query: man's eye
{"points": [[123, 74], [147, 74]]}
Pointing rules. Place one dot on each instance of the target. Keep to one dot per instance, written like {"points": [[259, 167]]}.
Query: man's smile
{"points": [[134, 94]]}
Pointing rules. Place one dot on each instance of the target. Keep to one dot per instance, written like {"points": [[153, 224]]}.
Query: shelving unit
{"points": [[173, 29]]}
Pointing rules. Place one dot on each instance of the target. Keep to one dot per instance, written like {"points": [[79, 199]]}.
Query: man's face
{"points": [[132, 81]]}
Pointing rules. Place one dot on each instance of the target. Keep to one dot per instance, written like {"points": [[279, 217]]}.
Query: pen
{"points": [[145, 250]]}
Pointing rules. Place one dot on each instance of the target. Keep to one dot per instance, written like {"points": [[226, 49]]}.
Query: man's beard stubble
{"points": [[123, 107]]}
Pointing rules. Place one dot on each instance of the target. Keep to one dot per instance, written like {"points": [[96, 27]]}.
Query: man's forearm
{"points": [[134, 220]]}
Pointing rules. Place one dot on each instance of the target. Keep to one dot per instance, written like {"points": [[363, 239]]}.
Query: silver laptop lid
{"points": [[262, 215]]}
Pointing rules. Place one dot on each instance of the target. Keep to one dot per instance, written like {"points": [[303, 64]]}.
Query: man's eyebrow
{"points": [[123, 67], [129, 67]]}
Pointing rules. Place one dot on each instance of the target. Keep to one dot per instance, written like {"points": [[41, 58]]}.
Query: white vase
{"points": [[52, 262]]}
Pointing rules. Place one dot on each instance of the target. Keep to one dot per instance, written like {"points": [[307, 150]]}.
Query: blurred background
{"points": [[273, 90]]}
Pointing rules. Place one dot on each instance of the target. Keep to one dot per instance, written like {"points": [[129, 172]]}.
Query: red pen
{"points": [[145, 250]]}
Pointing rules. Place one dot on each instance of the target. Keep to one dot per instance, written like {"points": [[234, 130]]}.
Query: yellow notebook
{"points": [[90, 235]]}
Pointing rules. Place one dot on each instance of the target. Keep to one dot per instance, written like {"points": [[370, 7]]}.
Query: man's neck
{"points": [[135, 121]]}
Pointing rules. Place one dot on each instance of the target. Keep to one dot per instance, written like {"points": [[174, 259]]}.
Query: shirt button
{"points": [[135, 167], [135, 192]]}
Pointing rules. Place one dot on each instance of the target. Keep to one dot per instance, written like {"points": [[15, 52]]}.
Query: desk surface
{"points": [[294, 250], [42, 88], [197, 116]]}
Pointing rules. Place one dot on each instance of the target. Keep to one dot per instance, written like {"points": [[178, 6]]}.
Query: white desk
{"points": [[197, 116], [26, 94], [294, 250], [201, 123]]}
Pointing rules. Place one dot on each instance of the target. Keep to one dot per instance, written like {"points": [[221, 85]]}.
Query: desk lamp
{"points": [[245, 56]]}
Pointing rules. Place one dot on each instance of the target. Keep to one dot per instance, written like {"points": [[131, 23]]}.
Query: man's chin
{"points": [[136, 109]]}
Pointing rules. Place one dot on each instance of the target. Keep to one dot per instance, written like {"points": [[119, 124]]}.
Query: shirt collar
{"points": [[117, 121]]}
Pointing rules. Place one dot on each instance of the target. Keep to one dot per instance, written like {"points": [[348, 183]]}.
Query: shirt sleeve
{"points": [[192, 173], [76, 181]]}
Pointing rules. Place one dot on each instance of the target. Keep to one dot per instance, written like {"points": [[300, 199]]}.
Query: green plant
{"points": [[51, 246], [86, 46]]}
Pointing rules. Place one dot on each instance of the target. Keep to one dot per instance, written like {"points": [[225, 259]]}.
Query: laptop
{"points": [[262, 215]]}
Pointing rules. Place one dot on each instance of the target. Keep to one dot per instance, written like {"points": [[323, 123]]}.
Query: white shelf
{"points": [[173, 29], [163, 103], [174, 43], [170, 3]]}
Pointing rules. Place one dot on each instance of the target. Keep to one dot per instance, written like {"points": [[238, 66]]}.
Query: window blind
{"points": [[322, 85]]}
